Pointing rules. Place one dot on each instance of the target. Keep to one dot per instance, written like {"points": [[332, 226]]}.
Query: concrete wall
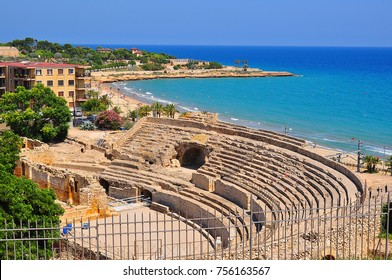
{"points": [[232, 193]]}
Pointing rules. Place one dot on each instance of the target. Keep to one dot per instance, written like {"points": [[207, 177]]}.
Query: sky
{"points": [[201, 22]]}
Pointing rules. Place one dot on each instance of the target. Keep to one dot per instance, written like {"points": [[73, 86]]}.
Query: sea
{"points": [[341, 95]]}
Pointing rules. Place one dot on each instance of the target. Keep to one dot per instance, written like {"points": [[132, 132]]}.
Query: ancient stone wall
{"points": [[203, 182], [70, 187], [118, 190], [33, 143], [232, 194], [258, 213], [230, 129], [197, 213]]}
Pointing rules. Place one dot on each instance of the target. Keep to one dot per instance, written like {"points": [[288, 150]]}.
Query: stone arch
{"points": [[105, 184], [147, 195], [192, 155]]}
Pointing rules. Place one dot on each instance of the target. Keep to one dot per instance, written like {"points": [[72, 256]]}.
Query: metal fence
{"points": [[353, 231]]}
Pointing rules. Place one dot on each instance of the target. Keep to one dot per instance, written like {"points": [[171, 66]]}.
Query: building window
{"points": [[38, 72], [71, 104], [49, 72], [60, 83], [70, 71], [71, 82], [49, 83], [60, 71], [71, 93], [61, 94]]}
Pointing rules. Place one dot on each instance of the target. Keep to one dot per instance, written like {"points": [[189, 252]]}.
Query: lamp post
{"points": [[359, 156], [74, 109]]}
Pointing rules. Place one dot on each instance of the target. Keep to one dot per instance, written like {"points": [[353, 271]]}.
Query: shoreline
{"points": [[228, 72], [373, 181]]}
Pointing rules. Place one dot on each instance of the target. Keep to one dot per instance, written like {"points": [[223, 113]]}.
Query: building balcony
{"points": [[24, 77], [2, 75], [83, 87], [82, 97], [83, 76]]}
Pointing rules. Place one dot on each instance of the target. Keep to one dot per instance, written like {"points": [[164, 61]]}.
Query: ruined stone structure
{"points": [[72, 184], [199, 165]]}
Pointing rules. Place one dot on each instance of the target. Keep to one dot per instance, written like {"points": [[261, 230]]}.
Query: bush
{"points": [[152, 67], [384, 220], [128, 125], [110, 120], [87, 125]]}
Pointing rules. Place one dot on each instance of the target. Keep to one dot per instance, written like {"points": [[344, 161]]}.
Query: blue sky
{"points": [[201, 22]]}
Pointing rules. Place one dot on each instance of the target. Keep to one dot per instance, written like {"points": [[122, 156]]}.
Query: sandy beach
{"points": [[118, 98]]}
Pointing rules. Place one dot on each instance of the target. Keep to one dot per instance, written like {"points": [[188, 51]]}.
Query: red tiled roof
{"points": [[40, 65]]}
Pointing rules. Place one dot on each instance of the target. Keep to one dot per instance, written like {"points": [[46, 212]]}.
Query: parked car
{"points": [[92, 118], [79, 121]]}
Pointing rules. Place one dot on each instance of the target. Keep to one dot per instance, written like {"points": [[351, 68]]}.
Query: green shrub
{"points": [[128, 125]]}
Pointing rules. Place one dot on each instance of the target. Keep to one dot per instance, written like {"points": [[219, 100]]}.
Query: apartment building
{"points": [[2, 80], [66, 80]]}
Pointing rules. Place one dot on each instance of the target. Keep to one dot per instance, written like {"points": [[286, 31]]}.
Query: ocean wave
{"points": [[379, 150], [234, 119], [149, 93]]}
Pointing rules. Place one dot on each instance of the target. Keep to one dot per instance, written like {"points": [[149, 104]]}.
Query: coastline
{"points": [[104, 84], [227, 72]]}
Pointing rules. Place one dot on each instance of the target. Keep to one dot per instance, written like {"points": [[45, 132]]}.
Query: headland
{"points": [[227, 72]]}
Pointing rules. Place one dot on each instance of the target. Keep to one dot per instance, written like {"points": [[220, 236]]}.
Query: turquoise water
{"points": [[341, 95]]}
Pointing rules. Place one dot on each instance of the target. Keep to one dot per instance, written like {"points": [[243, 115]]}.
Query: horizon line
{"points": [[234, 45]]}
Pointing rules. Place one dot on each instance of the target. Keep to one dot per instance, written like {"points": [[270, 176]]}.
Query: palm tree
{"points": [[92, 93], [157, 108], [132, 115], [106, 100], [371, 163], [171, 110], [144, 111], [388, 163]]}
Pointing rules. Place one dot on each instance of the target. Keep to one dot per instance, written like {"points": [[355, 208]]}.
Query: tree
{"points": [[157, 109], [10, 145], [133, 115], [37, 113], [92, 93], [23, 204], [170, 110], [388, 163], [214, 65], [109, 119], [144, 111], [117, 109], [371, 163], [106, 100], [93, 105]]}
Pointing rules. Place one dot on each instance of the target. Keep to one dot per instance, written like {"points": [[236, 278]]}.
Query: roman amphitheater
{"points": [[265, 194]]}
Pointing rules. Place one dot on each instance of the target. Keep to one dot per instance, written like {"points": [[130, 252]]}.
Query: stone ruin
{"points": [[197, 164], [194, 166]]}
